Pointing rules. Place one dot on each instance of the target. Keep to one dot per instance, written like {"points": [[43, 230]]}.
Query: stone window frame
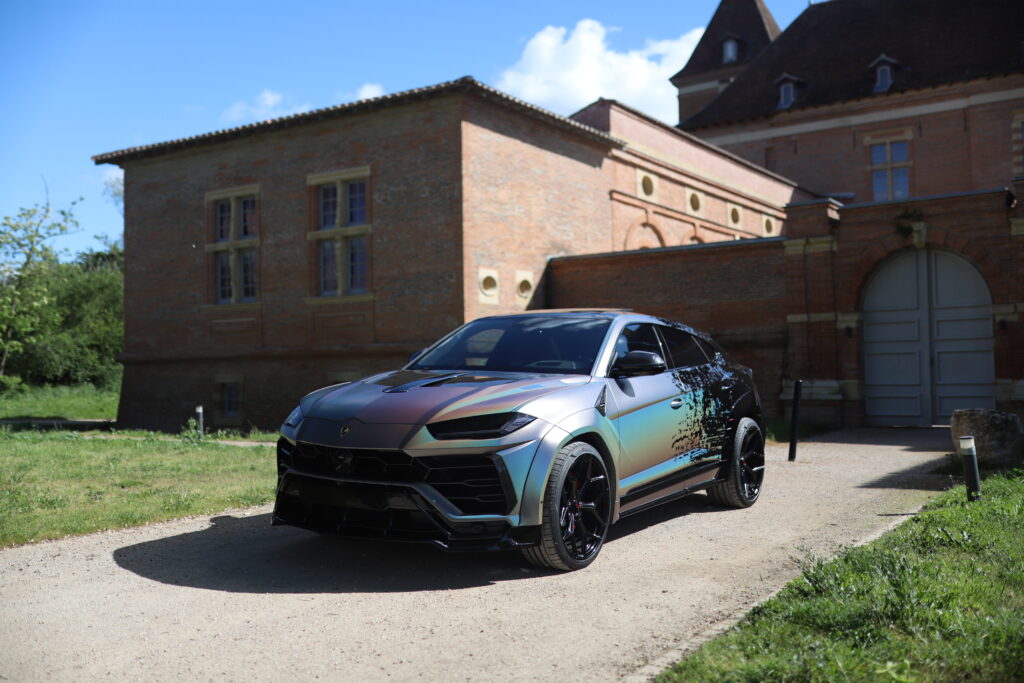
{"points": [[349, 239], [884, 140], [233, 244]]}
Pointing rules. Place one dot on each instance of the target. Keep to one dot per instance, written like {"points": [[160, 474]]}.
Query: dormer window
{"points": [[883, 78], [787, 90], [885, 71], [730, 51]]}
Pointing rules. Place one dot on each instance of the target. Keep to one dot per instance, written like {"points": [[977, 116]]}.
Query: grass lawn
{"points": [[79, 402], [57, 483], [940, 598]]}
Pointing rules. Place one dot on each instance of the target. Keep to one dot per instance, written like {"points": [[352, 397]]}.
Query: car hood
{"points": [[419, 397]]}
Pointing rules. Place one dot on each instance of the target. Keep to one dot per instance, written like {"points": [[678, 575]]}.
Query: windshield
{"points": [[538, 344]]}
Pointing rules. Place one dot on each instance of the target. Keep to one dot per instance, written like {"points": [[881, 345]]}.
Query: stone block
{"points": [[998, 436]]}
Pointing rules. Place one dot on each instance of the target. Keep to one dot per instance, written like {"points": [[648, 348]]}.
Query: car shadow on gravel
{"points": [[247, 555]]}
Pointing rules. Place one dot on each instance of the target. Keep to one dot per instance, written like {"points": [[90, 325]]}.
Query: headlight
{"points": [[480, 427], [294, 418]]}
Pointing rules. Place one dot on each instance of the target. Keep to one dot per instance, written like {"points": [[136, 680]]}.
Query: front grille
{"points": [[472, 483]]}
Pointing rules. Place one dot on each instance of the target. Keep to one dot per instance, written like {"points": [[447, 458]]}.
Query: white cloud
{"points": [[267, 105], [564, 71], [369, 90], [364, 92]]}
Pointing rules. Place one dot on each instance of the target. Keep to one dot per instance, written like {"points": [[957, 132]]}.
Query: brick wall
{"points": [[734, 291]]}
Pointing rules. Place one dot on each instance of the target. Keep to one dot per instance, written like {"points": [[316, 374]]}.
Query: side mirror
{"points": [[415, 356], [638, 363]]}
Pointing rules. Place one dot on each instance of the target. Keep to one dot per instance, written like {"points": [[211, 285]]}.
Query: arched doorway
{"points": [[928, 346]]}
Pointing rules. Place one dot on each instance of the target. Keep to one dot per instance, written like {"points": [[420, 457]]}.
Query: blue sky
{"points": [[83, 78]]}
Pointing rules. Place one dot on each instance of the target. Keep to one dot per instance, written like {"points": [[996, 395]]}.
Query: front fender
{"points": [[588, 425]]}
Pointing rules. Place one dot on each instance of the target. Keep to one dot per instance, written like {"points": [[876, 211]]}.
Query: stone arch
{"points": [[644, 233], [875, 256]]}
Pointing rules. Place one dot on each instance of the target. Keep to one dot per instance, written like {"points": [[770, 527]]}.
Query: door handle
{"points": [[676, 403]]}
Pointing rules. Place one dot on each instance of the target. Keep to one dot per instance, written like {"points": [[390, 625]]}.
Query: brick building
{"points": [[837, 205], [904, 281], [268, 260]]}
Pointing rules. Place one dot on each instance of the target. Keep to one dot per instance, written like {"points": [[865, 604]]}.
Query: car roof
{"points": [[610, 313]]}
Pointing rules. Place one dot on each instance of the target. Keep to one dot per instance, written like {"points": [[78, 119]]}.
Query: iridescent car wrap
{"points": [[466, 457]]}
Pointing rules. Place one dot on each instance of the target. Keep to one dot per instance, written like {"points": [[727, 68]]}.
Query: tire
{"points": [[577, 510], [744, 477]]}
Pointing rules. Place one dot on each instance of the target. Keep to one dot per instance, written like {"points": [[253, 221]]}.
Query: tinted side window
{"points": [[682, 348], [637, 337], [709, 349]]}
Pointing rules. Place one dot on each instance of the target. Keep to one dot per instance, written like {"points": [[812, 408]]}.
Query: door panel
{"points": [[896, 344], [928, 345], [961, 313]]}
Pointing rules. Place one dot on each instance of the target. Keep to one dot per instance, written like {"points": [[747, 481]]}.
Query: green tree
{"points": [[25, 258], [84, 332]]}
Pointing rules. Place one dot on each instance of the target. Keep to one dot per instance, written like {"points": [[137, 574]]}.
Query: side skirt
{"points": [[678, 485]]}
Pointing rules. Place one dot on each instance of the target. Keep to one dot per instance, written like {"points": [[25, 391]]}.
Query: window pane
{"points": [[785, 95], [520, 344], [898, 151], [729, 51], [880, 185], [328, 268], [223, 277], [231, 399], [883, 78], [328, 206], [222, 213], [900, 183], [356, 192], [878, 155], [637, 337], [357, 265], [247, 227], [682, 348], [248, 260]]}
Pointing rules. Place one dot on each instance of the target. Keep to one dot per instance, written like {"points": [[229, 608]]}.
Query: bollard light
{"points": [[199, 420], [969, 458]]}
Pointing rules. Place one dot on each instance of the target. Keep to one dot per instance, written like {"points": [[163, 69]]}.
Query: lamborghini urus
{"points": [[534, 431]]}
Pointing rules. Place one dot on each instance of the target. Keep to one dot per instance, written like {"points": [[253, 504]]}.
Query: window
{"points": [[230, 399], [223, 277], [786, 95], [890, 170], [730, 51], [234, 243], [341, 232], [682, 348], [883, 78], [637, 337]]}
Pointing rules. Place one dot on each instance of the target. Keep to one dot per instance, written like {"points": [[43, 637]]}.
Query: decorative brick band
{"points": [[809, 245]]}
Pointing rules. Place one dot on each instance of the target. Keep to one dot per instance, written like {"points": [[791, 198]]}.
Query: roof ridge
{"points": [[465, 83]]}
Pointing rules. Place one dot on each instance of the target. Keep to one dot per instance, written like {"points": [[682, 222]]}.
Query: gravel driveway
{"points": [[231, 598]]}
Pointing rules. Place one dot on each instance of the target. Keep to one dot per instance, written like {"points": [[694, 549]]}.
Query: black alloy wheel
{"points": [[583, 518], [743, 480], [577, 510]]}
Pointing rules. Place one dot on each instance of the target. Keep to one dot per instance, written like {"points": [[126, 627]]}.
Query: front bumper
{"points": [[456, 502]]}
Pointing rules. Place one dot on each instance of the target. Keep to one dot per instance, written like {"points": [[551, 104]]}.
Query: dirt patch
{"points": [[229, 597]]}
